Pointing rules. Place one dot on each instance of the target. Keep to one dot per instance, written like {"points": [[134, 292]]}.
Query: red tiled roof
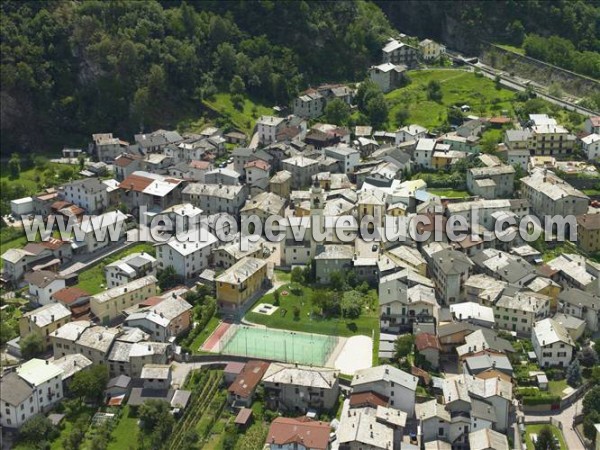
{"points": [[595, 121], [136, 183], [199, 164], [589, 221], [68, 295], [310, 434], [125, 160], [499, 120], [418, 372], [60, 205], [53, 243], [259, 163], [245, 383], [370, 398], [425, 340]]}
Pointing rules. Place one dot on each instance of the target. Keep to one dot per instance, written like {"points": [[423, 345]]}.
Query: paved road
{"points": [[566, 418]]}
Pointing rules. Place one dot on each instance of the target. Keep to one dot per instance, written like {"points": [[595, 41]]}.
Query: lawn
{"points": [[512, 48], [458, 88], [125, 433], [212, 324], [449, 193], [557, 387], [92, 279], [35, 179], [535, 429], [243, 119], [591, 192], [307, 322]]}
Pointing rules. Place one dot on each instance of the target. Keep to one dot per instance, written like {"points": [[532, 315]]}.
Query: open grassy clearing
{"points": [[243, 119], [535, 429]]}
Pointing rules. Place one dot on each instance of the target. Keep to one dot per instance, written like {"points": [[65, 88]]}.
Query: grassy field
{"points": [[458, 88], [535, 429], [212, 324], [92, 279], [34, 179], [243, 119], [449, 193], [557, 387], [125, 434], [307, 322], [512, 48]]}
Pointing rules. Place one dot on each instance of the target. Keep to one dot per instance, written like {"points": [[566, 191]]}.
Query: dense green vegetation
{"points": [[73, 68], [561, 52]]}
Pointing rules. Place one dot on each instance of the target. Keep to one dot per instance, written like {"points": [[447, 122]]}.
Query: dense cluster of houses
{"points": [[455, 296]]}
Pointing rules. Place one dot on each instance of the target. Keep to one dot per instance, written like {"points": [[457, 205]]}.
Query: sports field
{"points": [[277, 345]]}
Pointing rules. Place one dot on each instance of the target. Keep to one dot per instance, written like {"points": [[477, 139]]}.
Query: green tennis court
{"points": [[278, 345]]}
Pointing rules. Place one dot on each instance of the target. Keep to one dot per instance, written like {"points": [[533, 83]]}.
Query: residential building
{"points": [[129, 268], [552, 343], [241, 391], [491, 182], [299, 433], [410, 133], [151, 190], [108, 305], [378, 428], [424, 150], [170, 317], [75, 299], [63, 339], [42, 284], [96, 232], [576, 327], [347, 157], [487, 439], [582, 305], [428, 346], [302, 170], [311, 104], [489, 362], [106, 147], [394, 384], [396, 52], [294, 388], [431, 50], [268, 127], [241, 283], [450, 269], [592, 125], [474, 313], [43, 321], [188, 254], [573, 270], [482, 340], [434, 419], [257, 174], [588, 232], [591, 146], [387, 76], [520, 311], [126, 164], [222, 176], [263, 206], [46, 381], [45, 254], [215, 198], [551, 139], [130, 358], [90, 194], [548, 195], [281, 184], [332, 259], [17, 397]]}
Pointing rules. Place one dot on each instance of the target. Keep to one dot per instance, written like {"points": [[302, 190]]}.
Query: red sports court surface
{"points": [[215, 337]]}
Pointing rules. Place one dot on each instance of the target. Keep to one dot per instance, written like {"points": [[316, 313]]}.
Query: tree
{"points": [[297, 275], [352, 304], [14, 166], [31, 345], [377, 110], [337, 111], [156, 421], [498, 82], [276, 296], [455, 116], [253, 438], [545, 440], [588, 357], [90, 383], [296, 313], [589, 425], [591, 401], [434, 91], [237, 85], [37, 430], [574, 374], [401, 116], [81, 162], [337, 281], [403, 346], [168, 278]]}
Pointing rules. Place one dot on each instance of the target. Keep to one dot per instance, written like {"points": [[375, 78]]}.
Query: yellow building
{"points": [[396, 209], [369, 204], [588, 232], [281, 184], [240, 283], [44, 320], [109, 305]]}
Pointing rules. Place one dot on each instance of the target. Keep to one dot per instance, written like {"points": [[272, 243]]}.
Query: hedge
{"points": [[541, 400]]}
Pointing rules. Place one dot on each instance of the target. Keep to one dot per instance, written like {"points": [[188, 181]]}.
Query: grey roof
{"points": [[483, 410], [71, 364], [14, 390], [487, 439], [47, 314], [452, 262], [41, 278], [480, 363], [295, 375], [385, 373], [121, 381], [549, 331], [455, 327], [517, 135], [576, 296]]}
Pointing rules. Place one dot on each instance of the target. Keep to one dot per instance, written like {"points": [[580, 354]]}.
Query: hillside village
{"points": [[419, 344]]}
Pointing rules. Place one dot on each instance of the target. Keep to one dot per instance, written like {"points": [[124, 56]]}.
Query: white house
{"points": [[90, 194], [18, 401], [397, 386], [348, 157], [423, 153], [96, 232], [552, 343], [42, 284], [387, 76], [268, 127], [591, 146], [129, 268], [188, 254], [410, 133]]}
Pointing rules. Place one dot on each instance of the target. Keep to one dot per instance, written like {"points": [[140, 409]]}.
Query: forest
{"points": [[70, 69], [73, 68]]}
